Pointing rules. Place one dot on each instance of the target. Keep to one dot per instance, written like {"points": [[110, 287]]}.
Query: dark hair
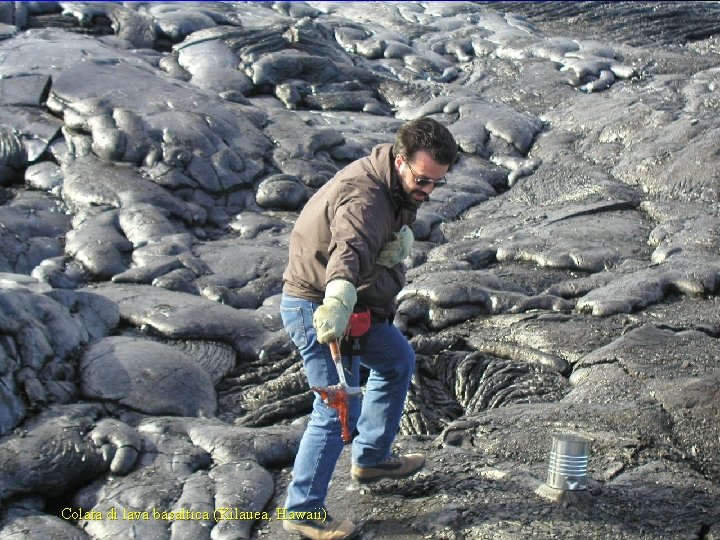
{"points": [[428, 135]]}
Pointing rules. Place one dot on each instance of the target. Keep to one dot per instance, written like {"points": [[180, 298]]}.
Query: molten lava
{"points": [[337, 398]]}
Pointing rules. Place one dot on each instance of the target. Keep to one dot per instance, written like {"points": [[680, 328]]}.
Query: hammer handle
{"points": [[337, 358], [335, 351]]}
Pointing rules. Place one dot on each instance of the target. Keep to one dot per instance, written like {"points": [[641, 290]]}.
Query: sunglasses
{"points": [[423, 181]]}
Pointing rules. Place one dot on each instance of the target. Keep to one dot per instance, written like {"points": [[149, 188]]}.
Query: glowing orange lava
{"points": [[337, 398]]}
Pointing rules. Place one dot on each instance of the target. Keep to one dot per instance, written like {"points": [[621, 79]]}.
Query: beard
{"points": [[416, 197]]}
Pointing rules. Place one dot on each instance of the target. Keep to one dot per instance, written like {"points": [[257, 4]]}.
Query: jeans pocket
{"points": [[294, 323]]}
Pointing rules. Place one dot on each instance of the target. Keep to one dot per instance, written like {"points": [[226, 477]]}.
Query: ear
{"points": [[398, 162]]}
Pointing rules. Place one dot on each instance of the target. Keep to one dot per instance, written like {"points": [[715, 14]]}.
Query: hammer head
{"points": [[336, 397]]}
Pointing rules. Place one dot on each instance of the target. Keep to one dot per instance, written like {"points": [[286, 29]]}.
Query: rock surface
{"points": [[153, 159]]}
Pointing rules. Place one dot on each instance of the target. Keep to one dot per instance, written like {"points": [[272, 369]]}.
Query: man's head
{"points": [[423, 152]]}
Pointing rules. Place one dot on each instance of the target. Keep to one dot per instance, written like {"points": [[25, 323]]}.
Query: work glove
{"points": [[331, 319], [398, 249]]}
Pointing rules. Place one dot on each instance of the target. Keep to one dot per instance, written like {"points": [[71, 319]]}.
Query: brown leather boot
{"points": [[393, 467], [315, 529]]}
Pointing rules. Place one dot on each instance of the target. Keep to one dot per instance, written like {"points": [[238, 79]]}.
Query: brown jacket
{"points": [[341, 230]]}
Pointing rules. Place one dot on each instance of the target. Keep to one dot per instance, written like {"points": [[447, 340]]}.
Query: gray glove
{"points": [[396, 250], [331, 319]]}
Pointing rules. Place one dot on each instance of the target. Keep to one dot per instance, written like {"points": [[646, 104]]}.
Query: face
{"points": [[419, 171]]}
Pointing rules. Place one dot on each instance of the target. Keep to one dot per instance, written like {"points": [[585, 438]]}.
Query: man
{"points": [[346, 250]]}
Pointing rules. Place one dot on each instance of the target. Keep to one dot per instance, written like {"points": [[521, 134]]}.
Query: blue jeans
{"points": [[375, 418]]}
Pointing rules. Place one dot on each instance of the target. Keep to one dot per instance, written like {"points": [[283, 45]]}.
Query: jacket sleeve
{"points": [[357, 231]]}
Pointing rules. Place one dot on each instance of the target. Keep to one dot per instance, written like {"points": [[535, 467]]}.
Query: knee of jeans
{"points": [[410, 368], [405, 368], [323, 415], [411, 361]]}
